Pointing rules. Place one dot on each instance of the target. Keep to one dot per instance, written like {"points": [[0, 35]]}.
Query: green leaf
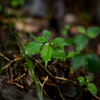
{"points": [[67, 27], [14, 3], [60, 42], [82, 30], [33, 48], [70, 41], [93, 32], [88, 79], [79, 48], [41, 39], [46, 53], [92, 88], [81, 80], [64, 32], [71, 54], [78, 61], [59, 54], [93, 64], [81, 40], [47, 33]]}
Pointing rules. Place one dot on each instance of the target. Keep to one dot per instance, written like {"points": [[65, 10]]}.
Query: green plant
{"points": [[91, 61], [90, 86], [48, 49], [54, 50], [30, 67], [65, 30], [16, 3]]}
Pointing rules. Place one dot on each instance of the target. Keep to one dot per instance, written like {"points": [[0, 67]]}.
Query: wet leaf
{"points": [[33, 48], [92, 88]]}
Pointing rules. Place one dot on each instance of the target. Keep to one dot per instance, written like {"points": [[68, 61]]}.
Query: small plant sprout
{"points": [[81, 80], [65, 30], [90, 86], [51, 50], [48, 49]]}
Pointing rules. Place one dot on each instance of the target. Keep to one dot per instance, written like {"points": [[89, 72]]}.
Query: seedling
{"points": [[48, 49], [90, 86], [91, 61], [65, 30], [54, 50], [16, 3]]}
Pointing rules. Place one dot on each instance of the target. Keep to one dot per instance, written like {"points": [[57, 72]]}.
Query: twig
{"points": [[4, 57]]}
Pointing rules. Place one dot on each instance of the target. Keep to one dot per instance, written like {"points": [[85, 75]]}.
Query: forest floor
{"points": [[56, 81]]}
